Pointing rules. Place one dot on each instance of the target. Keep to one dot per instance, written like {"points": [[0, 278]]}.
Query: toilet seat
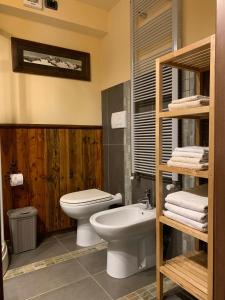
{"points": [[85, 197]]}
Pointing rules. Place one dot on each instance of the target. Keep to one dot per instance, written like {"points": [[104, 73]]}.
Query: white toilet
{"points": [[81, 205], [130, 232]]}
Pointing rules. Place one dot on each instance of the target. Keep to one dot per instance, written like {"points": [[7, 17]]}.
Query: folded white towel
{"points": [[196, 225], [195, 149], [191, 98], [189, 154], [189, 200], [191, 104], [190, 160], [196, 167], [187, 213]]}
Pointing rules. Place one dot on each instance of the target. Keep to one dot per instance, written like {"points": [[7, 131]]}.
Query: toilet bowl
{"points": [[130, 232], [81, 205]]}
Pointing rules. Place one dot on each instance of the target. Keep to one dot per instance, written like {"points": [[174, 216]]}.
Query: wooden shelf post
{"points": [[159, 188]]}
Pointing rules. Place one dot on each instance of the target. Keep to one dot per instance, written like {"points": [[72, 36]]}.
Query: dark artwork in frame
{"points": [[41, 59]]}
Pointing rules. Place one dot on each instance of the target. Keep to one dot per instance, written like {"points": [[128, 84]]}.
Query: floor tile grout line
{"points": [[59, 287], [89, 275], [61, 244], [100, 272], [95, 280]]}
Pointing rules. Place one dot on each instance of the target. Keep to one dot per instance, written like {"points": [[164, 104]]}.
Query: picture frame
{"points": [[38, 4], [47, 60]]}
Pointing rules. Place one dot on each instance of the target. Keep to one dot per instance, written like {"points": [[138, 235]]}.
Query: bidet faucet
{"points": [[147, 200]]}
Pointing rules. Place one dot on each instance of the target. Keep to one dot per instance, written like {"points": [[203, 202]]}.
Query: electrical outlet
{"points": [[51, 4]]}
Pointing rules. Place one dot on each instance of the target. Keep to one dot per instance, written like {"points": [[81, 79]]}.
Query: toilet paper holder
{"points": [[13, 169]]}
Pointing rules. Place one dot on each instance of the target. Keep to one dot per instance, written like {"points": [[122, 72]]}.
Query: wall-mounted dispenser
{"points": [[52, 4], [119, 119]]}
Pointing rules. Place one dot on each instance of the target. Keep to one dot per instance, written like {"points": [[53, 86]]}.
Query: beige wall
{"points": [[40, 99], [74, 14], [199, 18], [115, 48], [198, 21]]}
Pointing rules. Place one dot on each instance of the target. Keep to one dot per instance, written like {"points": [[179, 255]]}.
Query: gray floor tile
{"points": [[85, 289], [38, 282], [94, 262], [49, 239], [45, 250], [120, 287], [63, 235], [70, 243]]}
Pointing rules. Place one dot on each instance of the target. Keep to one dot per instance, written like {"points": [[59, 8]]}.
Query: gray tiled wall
{"points": [[113, 141]]}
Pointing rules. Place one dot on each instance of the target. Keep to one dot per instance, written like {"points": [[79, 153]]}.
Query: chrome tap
{"points": [[147, 200]]}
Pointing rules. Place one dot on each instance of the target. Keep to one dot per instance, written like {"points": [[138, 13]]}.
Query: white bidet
{"points": [[130, 232]]}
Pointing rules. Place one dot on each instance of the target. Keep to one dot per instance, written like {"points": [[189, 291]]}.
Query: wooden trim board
{"points": [[51, 126], [219, 186]]}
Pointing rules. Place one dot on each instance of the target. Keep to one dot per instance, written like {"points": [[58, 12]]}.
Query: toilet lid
{"points": [[85, 196]]}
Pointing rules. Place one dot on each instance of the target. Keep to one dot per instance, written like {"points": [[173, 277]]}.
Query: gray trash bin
{"points": [[23, 228]]}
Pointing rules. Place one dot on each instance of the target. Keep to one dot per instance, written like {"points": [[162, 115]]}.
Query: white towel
{"points": [[189, 200], [196, 167], [189, 154], [193, 149], [191, 104], [196, 225], [189, 160], [187, 213], [188, 99]]}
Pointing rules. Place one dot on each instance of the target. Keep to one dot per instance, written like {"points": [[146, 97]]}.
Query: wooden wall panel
{"points": [[8, 155], [76, 172], [53, 178], [54, 161], [36, 185], [64, 172], [20, 196]]}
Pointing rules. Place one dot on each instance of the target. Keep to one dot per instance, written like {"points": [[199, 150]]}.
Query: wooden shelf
{"points": [[194, 57], [184, 228], [191, 113], [190, 273], [184, 171]]}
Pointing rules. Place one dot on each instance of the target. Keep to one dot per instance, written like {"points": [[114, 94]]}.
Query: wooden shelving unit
{"points": [[189, 272], [193, 273]]}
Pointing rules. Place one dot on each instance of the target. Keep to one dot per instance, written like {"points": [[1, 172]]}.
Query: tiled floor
{"points": [[53, 246], [75, 275]]}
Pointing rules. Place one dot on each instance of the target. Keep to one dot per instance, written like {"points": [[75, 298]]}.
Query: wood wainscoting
{"points": [[54, 161]]}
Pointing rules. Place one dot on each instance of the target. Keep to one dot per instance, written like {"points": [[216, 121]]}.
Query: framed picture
{"points": [[41, 59], [33, 3]]}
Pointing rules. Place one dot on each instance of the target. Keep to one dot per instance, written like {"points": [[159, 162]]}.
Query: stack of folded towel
{"points": [[189, 102], [188, 208], [191, 157]]}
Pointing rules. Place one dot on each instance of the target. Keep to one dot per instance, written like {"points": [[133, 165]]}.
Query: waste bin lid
{"points": [[24, 212]]}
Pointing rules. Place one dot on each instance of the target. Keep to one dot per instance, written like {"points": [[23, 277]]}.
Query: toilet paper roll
{"points": [[16, 179]]}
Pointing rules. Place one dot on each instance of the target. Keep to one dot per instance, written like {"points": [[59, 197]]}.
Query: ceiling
{"points": [[103, 4]]}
